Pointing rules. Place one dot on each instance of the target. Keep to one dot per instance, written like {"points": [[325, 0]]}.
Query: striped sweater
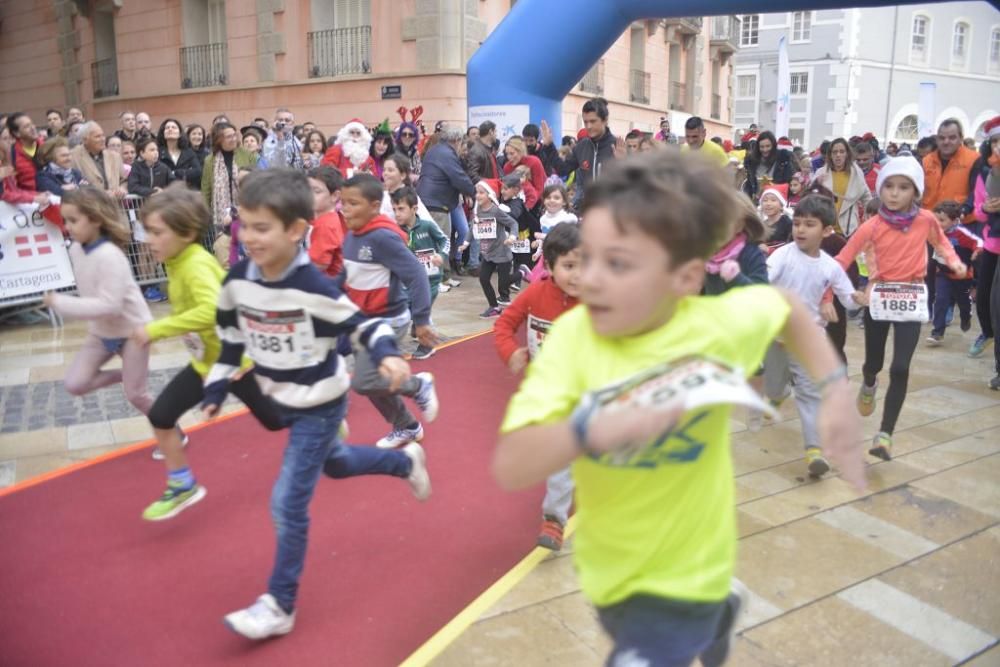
{"points": [[290, 327]]}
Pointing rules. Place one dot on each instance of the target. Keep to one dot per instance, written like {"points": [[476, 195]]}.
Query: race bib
{"points": [[521, 247], [537, 330], [485, 228], [279, 339], [195, 346], [426, 258], [898, 302]]}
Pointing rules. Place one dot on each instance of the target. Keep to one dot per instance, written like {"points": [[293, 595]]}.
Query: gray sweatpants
{"points": [[558, 495], [779, 370], [369, 382]]}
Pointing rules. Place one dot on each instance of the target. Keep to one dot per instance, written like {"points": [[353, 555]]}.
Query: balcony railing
{"points": [[678, 95], [639, 85], [593, 80], [340, 51], [104, 74], [686, 25], [725, 34], [204, 65], [716, 106]]}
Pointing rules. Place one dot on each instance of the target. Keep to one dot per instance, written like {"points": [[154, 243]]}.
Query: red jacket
{"points": [[24, 167], [326, 243], [537, 171], [539, 306], [335, 157], [872, 177]]}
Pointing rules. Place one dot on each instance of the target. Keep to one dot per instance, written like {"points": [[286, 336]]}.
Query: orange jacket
{"points": [[950, 183]]}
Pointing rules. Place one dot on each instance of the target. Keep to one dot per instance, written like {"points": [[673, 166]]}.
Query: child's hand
{"points": [[841, 435], [621, 151], [509, 241], [828, 311], [861, 298], [976, 253], [210, 411], [48, 299], [630, 429], [518, 361], [140, 336], [437, 260], [462, 247], [395, 370], [42, 199], [729, 270], [959, 268], [426, 336], [535, 244]]}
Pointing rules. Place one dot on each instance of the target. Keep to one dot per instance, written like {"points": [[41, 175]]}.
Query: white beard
{"points": [[356, 151]]}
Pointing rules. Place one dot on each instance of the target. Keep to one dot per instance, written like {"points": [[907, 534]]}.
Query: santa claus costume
{"points": [[350, 152]]}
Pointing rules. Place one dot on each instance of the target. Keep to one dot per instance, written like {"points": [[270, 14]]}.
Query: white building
{"points": [[859, 70]]}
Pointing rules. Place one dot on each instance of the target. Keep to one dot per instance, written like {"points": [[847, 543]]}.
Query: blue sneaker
{"points": [[978, 345], [427, 398], [154, 295]]}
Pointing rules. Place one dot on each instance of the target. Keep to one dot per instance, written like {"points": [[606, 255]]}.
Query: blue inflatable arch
{"points": [[578, 33]]}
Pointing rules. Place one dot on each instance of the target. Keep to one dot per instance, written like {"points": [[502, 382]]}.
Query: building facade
{"points": [[859, 70], [332, 60]]}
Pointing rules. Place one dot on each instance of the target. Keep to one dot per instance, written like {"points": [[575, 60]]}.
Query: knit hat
{"points": [[492, 187], [905, 165], [992, 127], [779, 190]]}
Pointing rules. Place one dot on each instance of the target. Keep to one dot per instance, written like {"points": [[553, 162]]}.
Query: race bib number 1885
{"points": [[279, 339], [899, 302]]}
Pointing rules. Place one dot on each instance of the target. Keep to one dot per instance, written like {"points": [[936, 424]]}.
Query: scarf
{"points": [[225, 189], [729, 251], [898, 220], [64, 175]]}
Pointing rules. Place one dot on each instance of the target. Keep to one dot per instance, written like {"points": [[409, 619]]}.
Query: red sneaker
{"points": [[551, 535]]}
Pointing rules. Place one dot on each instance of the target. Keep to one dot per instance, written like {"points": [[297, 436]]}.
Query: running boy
{"points": [[378, 265], [326, 233], [803, 268], [538, 307], [287, 316], [952, 289], [657, 538], [427, 242]]}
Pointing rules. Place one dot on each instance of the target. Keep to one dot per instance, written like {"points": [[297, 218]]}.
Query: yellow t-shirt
{"points": [[663, 522], [840, 181], [712, 151]]}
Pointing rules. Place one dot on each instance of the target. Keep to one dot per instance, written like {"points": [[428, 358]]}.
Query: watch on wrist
{"points": [[579, 422]]}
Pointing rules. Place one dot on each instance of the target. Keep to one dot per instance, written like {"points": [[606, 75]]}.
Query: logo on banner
{"points": [[33, 244]]}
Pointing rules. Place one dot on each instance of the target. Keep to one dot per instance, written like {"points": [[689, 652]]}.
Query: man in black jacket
{"points": [[481, 159], [590, 154]]}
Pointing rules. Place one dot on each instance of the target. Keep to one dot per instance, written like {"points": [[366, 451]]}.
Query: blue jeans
{"points": [[950, 292], [667, 633], [459, 230], [314, 447]]}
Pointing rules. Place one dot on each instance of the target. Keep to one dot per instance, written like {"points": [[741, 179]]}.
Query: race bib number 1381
{"points": [[279, 339]]}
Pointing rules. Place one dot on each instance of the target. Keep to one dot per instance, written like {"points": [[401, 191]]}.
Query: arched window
{"points": [[907, 129], [920, 38], [960, 38]]}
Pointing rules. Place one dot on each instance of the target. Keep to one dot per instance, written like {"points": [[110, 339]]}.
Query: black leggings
{"points": [[486, 269], [186, 391], [837, 331], [984, 288], [904, 344]]}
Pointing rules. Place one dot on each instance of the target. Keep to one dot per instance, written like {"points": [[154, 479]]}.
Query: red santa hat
{"points": [[992, 127], [867, 136], [491, 186], [785, 142], [780, 191]]}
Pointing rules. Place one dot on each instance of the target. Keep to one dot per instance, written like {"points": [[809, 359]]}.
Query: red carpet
{"points": [[84, 581]]}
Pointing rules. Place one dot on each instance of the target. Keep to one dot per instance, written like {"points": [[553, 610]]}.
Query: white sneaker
{"points": [[401, 436], [263, 619], [426, 398], [158, 455], [454, 283], [419, 480], [444, 287]]}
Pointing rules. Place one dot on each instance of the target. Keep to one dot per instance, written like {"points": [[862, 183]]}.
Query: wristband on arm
{"points": [[579, 422]]}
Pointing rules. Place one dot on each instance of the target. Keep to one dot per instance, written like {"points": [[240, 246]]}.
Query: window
{"points": [[746, 86], [919, 37], [995, 49], [800, 83], [907, 128], [960, 43], [801, 26], [749, 32]]}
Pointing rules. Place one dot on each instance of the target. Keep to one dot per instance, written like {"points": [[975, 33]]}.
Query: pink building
{"points": [[332, 60]]}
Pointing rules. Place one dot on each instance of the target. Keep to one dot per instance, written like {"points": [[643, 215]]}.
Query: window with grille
{"points": [[907, 128], [801, 26], [799, 83], [746, 86], [918, 38], [750, 30]]}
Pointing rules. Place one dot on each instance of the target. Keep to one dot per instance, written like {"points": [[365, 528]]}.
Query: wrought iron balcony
{"points": [[204, 65], [104, 74], [639, 86], [593, 80], [340, 51]]}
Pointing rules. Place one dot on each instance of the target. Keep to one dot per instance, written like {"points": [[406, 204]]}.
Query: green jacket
{"points": [[426, 235], [243, 158]]}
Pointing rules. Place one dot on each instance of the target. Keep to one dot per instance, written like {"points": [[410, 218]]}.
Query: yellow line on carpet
{"points": [[444, 637]]}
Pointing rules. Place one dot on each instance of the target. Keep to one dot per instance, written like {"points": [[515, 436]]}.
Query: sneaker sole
{"points": [[818, 468], [421, 357], [419, 438], [420, 455], [431, 413], [550, 544], [277, 633], [198, 495], [880, 452], [933, 342]]}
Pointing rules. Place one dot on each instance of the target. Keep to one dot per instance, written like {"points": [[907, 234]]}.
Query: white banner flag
{"points": [[925, 110], [33, 257], [784, 100]]}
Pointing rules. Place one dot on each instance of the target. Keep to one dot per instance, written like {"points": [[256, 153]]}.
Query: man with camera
{"points": [[281, 148]]}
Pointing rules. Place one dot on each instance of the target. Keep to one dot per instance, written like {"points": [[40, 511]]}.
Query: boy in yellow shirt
{"points": [[618, 392]]}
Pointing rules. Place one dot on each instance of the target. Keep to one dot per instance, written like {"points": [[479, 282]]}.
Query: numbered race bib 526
{"points": [[899, 302], [279, 339], [485, 228], [521, 247], [426, 258], [537, 330]]}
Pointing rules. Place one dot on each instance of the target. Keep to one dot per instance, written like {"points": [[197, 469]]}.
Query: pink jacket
{"points": [[991, 243]]}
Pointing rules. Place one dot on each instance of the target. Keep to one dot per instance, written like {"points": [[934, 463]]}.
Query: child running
{"points": [[280, 309], [496, 232], [109, 298], [953, 289], [537, 308], [325, 240], [656, 538], [378, 266], [555, 200], [803, 268], [427, 242], [894, 243]]}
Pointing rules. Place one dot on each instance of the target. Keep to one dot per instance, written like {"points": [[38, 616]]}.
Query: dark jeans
{"points": [[653, 631], [984, 289], [486, 270], [186, 391], [904, 343], [950, 292], [837, 331], [314, 447]]}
